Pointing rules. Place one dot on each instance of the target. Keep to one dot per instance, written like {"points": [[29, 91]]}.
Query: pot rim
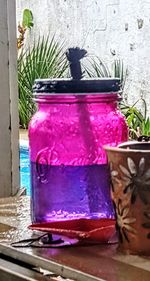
{"points": [[119, 148]]}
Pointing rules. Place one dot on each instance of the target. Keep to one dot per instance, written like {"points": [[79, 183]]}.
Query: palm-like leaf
{"points": [[97, 68], [45, 59], [119, 71]]}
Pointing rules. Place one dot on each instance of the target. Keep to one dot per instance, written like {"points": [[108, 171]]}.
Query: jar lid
{"points": [[99, 85]]}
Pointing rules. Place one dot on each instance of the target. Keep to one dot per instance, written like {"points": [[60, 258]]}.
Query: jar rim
{"points": [[80, 98]]}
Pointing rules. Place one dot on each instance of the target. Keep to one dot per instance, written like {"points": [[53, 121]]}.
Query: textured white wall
{"points": [[102, 27]]}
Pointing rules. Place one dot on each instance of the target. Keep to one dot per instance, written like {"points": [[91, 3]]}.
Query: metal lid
{"points": [[105, 85]]}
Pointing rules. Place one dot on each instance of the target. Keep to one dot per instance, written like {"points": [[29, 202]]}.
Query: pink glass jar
{"points": [[69, 172]]}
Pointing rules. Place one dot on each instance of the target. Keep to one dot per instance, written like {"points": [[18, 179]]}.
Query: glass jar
{"points": [[69, 171]]}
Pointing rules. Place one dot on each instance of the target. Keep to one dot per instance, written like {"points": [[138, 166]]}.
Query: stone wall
{"points": [[110, 29]]}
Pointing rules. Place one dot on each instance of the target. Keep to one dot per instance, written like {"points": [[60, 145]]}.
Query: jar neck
{"points": [[78, 98]]}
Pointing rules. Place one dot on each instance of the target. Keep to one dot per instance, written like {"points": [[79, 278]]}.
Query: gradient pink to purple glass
{"points": [[69, 132]]}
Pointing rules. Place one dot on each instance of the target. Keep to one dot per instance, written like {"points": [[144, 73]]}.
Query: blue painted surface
{"points": [[25, 168]]}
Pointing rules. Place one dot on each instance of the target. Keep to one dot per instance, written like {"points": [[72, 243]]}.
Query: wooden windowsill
{"points": [[98, 262]]}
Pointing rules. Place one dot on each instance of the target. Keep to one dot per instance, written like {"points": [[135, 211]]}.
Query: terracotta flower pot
{"points": [[130, 191]]}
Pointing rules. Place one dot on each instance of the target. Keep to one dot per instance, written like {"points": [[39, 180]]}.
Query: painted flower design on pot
{"points": [[115, 183], [124, 222], [137, 180]]}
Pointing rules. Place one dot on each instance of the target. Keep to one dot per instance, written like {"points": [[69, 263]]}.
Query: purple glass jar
{"points": [[69, 172]]}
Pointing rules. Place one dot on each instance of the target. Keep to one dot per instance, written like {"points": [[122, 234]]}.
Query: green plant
{"points": [[134, 119], [145, 127], [44, 59], [27, 23], [27, 18], [96, 68], [120, 71], [137, 121]]}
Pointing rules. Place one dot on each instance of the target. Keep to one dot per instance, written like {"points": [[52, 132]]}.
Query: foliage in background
{"points": [[45, 59], [145, 127], [119, 71], [96, 68], [134, 119], [27, 23]]}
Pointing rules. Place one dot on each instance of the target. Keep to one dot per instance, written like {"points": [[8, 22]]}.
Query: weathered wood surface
{"points": [[9, 152], [100, 261]]}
